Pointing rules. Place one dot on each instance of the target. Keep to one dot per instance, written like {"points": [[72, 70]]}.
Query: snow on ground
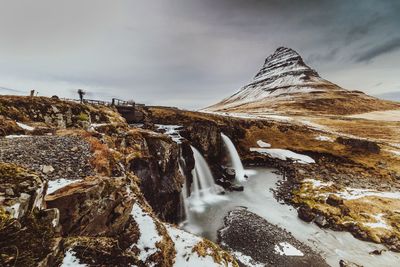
{"points": [[395, 152], [386, 115], [284, 248], [25, 127], [247, 260], [284, 154], [318, 183], [70, 260], [59, 183], [149, 235], [353, 193], [324, 138], [263, 144], [185, 256], [380, 222], [16, 136]]}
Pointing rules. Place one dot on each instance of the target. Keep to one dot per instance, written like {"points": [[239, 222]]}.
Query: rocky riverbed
{"points": [[256, 242]]}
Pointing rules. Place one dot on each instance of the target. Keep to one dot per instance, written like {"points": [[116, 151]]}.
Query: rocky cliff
{"points": [[79, 186]]}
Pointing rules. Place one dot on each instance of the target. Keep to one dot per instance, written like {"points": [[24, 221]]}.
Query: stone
{"points": [[236, 187], [9, 192], [229, 173], [334, 200], [321, 221], [358, 145], [46, 169], [305, 214]]}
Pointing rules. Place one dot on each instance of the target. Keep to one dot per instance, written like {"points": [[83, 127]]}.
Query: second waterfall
{"points": [[234, 158]]}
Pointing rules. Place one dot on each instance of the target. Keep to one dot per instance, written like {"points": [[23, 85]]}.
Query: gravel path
{"points": [[54, 156], [256, 242]]}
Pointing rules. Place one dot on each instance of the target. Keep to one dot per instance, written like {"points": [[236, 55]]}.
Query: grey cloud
{"points": [[187, 53], [387, 47]]}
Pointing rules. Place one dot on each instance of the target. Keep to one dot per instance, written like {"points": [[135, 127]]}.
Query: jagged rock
{"points": [[28, 232], [158, 170], [334, 200], [96, 206], [21, 191], [358, 145], [305, 214], [236, 187]]}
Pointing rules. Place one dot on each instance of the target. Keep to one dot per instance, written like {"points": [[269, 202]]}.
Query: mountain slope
{"points": [[286, 83]]}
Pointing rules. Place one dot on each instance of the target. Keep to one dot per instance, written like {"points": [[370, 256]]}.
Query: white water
{"points": [[204, 191], [333, 246], [235, 159]]}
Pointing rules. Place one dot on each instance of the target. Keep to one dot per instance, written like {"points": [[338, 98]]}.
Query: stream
{"points": [[258, 198]]}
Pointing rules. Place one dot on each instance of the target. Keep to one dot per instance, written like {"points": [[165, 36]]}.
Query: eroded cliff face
{"points": [[116, 214]]}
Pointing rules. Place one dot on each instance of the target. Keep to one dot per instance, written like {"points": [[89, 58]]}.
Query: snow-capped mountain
{"points": [[286, 83]]}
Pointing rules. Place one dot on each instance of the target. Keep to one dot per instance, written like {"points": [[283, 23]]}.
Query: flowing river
{"points": [[258, 198]]}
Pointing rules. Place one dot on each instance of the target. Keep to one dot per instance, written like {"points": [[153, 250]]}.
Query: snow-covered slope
{"points": [[285, 79]]}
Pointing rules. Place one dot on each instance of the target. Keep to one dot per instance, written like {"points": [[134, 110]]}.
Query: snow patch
{"points": [[284, 154], [149, 235], [263, 144], [59, 183], [318, 183], [380, 222], [246, 260], [185, 256], [284, 248], [25, 127], [16, 136], [70, 260], [324, 138]]}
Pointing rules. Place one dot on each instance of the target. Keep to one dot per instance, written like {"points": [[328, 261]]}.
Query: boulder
{"points": [[305, 214], [358, 145], [334, 200], [95, 206]]}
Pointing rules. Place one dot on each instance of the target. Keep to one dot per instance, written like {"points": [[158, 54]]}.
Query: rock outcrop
{"points": [[28, 231], [95, 206]]}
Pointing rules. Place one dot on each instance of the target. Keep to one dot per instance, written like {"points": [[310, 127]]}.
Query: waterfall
{"points": [[184, 209], [204, 190], [234, 158]]}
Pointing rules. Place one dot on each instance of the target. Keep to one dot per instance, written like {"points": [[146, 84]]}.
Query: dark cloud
{"points": [[378, 50], [187, 53]]}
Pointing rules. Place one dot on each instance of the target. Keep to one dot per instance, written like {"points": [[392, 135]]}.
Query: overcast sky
{"points": [[191, 53]]}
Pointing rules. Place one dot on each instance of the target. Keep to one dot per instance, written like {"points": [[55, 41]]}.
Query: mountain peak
{"points": [[284, 61]]}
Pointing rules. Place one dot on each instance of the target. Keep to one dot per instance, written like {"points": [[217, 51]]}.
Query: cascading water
{"points": [[204, 190], [234, 157], [184, 210]]}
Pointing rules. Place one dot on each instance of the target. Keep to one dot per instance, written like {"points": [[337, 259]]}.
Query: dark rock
{"points": [[305, 214], [358, 145], [334, 200], [229, 173], [236, 187], [377, 252]]}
